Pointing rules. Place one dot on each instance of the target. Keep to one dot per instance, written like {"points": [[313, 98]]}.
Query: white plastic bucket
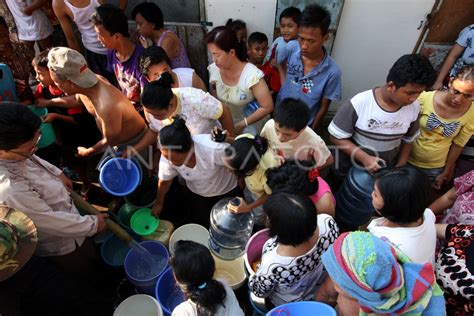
{"points": [[193, 232], [231, 271], [140, 304]]}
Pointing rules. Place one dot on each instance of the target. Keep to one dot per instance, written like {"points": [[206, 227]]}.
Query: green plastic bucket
{"points": [[47, 132], [143, 222]]}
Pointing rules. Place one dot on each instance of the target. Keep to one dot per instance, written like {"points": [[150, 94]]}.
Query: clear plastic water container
{"points": [[229, 232]]}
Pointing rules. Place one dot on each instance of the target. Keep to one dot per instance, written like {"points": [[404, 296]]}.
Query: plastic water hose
{"points": [[111, 225]]}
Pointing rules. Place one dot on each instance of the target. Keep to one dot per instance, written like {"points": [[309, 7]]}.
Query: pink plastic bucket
{"points": [[253, 249]]}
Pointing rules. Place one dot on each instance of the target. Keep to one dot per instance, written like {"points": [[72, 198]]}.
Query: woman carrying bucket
{"points": [[200, 162], [193, 268]]}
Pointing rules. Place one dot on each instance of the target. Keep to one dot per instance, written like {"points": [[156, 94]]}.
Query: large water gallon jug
{"points": [[354, 199], [229, 232]]}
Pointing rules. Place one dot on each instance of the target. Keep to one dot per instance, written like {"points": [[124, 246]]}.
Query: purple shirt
{"points": [[128, 73]]}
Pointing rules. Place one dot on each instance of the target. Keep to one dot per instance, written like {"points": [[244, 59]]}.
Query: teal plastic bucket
{"points": [[114, 251], [125, 213], [48, 136]]}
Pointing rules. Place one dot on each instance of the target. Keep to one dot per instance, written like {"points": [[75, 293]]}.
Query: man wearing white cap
{"points": [[116, 118]]}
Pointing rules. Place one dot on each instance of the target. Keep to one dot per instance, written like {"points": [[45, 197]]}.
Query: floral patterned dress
{"points": [[463, 208]]}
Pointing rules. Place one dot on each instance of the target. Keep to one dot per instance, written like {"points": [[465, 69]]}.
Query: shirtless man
{"points": [[116, 118]]}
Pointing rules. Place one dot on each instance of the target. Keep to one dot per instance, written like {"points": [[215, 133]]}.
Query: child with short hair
{"points": [[289, 21], [402, 196], [290, 137], [311, 74], [382, 123], [194, 268], [295, 176], [291, 268], [257, 47]]}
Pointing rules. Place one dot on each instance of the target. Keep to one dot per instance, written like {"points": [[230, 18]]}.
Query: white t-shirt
{"points": [[209, 177], [200, 110], [32, 27], [185, 76], [231, 306], [297, 148], [368, 124], [418, 243]]}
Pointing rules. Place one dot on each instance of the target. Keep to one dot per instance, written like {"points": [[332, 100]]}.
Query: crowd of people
{"points": [[250, 132]]}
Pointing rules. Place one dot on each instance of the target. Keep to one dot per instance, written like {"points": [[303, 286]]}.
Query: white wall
{"points": [[258, 14], [372, 34]]}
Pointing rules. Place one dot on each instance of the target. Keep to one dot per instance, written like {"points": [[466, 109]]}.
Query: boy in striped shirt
{"points": [[376, 127]]}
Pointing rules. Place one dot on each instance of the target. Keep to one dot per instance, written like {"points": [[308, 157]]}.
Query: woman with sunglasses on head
{"points": [[446, 124], [39, 189]]}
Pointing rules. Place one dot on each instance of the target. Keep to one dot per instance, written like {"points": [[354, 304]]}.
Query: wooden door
{"points": [[444, 23]]}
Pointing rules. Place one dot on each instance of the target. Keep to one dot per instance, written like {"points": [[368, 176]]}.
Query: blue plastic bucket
{"points": [[48, 136], [143, 270], [113, 251], [119, 176], [303, 309], [167, 292]]}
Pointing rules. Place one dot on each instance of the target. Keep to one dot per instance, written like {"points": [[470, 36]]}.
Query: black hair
{"points": [[466, 73], [18, 125], [151, 13], [226, 39], [257, 38], [111, 18], [406, 193], [236, 25], [292, 113], [316, 16], [293, 177], [292, 218], [41, 60], [412, 68], [194, 268], [244, 154], [157, 94], [152, 55], [176, 136], [292, 13]]}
